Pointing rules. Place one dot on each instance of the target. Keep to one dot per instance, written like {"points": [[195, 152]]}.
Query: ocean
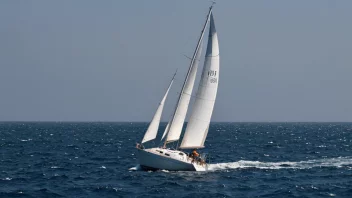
{"points": [[98, 159]]}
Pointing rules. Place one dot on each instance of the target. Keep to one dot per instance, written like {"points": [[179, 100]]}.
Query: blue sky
{"points": [[112, 60]]}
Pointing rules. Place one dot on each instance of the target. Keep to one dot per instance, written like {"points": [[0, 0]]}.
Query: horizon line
{"points": [[110, 121]]}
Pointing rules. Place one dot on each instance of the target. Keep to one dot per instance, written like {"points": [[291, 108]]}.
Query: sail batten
{"points": [[153, 127], [198, 125]]}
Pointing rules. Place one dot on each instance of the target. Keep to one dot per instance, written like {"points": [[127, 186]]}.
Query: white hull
{"points": [[165, 159]]}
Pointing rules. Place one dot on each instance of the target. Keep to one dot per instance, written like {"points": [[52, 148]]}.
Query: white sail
{"points": [[165, 132], [198, 125], [177, 121], [176, 125], [154, 124]]}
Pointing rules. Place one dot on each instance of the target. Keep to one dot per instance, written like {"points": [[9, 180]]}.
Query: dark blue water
{"points": [[247, 160]]}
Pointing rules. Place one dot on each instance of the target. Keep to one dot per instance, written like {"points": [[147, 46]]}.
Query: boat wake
{"points": [[337, 162], [328, 162]]}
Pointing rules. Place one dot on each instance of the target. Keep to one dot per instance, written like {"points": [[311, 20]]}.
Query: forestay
{"points": [[197, 128]]}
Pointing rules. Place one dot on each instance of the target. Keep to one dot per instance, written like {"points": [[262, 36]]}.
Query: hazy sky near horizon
{"points": [[112, 60]]}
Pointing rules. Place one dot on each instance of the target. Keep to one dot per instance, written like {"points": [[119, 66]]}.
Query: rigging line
{"points": [[192, 95], [187, 56], [190, 57]]}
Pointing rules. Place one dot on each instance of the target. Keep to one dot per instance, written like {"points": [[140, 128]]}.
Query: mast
{"points": [[185, 101]]}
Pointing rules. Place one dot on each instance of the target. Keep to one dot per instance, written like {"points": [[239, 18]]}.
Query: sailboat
{"points": [[198, 125]]}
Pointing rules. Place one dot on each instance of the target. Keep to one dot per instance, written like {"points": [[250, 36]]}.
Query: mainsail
{"points": [[198, 125], [178, 118], [154, 124]]}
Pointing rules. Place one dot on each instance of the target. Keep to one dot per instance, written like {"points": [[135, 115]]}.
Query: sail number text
{"points": [[212, 75]]}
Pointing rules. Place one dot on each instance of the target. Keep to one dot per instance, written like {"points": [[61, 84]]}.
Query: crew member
{"points": [[195, 154], [139, 146]]}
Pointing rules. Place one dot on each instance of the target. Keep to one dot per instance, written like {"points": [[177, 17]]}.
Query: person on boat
{"points": [[140, 146], [195, 154]]}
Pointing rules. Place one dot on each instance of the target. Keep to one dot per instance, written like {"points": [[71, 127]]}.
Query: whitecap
{"points": [[321, 146], [24, 140], [137, 167], [117, 189]]}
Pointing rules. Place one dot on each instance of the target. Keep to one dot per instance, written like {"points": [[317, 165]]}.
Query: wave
{"points": [[327, 162], [136, 168], [24, 140], [6, 179]]}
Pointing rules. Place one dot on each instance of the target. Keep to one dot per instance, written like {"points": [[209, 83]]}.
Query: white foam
{"points": [[137, 167], [327, 162], [117, 189], [26, 140]]}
